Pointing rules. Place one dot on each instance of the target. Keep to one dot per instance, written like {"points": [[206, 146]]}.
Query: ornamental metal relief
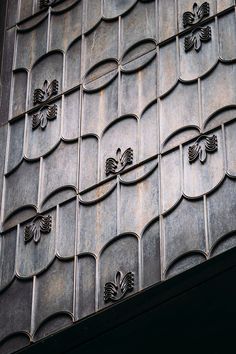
{"points": [[47, 112], [198, 14], [41, 118], [45, 3], [46, 92], [115, 291], [40, 224], [116, 165], [203, 145], [199, 34]]}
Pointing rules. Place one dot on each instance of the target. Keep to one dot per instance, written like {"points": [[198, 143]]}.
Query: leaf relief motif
{"points": [[40, 224], [43, 116], [201, 147], [115, 291], [115, 166], [195, 39], [46, 92], [198, 14]]}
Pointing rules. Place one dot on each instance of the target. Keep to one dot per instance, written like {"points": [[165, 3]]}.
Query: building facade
{"points": [[118, 164]]}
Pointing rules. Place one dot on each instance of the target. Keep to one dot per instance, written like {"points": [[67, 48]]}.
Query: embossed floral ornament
{"points": [[199, 35], [46, 92], [121, 286], [43, 116], [199, 13], [200, 148], [40, 224], [114, 166]]}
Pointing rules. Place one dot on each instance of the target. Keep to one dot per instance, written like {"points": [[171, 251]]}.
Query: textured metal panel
{"points": [[3, 139], [86, 289], [69, 21], [168, 63], [18, 316], [67, 224], [139, 24], [138, 202], [14, 343], [73, 64], [19, 93], [167, 19], [35, 32], [227, 29], [138, 89], [225, 89], [16, 143], [171, 185], [119, 255], [7, 62], [54, 292], [175, 108], [18, 192], [101, 43], [151, 255], [59, 171], [33, 257], [7, 257], [230, 148], [26, 9], [181, 236], [221, 211], [98, 223], [120, 152]]}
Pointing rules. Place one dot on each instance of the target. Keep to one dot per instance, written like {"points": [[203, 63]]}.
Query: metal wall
{"points": [[118, 164]]}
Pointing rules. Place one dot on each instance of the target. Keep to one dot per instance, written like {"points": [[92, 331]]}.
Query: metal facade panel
{"points": [[118, 132]]}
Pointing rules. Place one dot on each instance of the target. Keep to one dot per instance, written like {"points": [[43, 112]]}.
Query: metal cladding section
{"points": [[118, 155]]}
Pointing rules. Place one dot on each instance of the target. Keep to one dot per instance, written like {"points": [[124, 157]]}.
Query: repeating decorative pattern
{"points": [[48, 90], [118, 76], [42, 117], [115, 166], [201, 147], [40, 224], [115, 291], [198, 14]]}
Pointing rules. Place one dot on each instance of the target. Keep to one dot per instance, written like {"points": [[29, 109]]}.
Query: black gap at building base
{"points": [[194, 312]]}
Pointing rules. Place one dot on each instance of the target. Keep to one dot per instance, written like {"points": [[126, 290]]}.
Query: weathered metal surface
{"points": [[118, 153]]}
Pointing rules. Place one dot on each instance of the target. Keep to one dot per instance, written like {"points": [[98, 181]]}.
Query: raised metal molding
{"points": [[195, 39], [122, 285], [199, 12], [40, 224], [45, 3], [48, 90], [43, 116], [115, 166], [200, 148]]}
